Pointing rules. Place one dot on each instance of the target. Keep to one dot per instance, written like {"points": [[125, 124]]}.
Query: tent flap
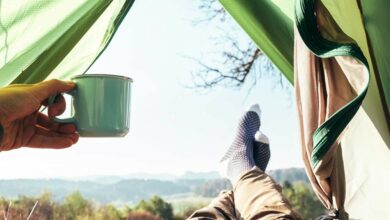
{"points": [[337, 79], [330, 130], [46, 39]]}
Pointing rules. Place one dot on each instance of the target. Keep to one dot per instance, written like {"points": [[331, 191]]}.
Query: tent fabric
{"points": [[275, 40], [256, 17], [362, 151], [329, 91], [327, 176], [328, 132], [54, 39], [352, 24], [323, 86], [366, 143], [377, 26]]}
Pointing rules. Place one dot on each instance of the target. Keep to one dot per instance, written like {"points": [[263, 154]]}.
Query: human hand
{"points": [[23, 124]]}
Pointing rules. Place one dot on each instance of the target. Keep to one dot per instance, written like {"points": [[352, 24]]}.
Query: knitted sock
{"points": [[261, 155], [261, 150], [239, 157]]}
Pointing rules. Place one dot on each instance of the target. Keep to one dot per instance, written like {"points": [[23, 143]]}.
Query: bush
{"points": [[108, 212], [157, 206]]}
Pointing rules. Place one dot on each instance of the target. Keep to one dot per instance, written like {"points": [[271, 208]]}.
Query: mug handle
{"points": [[70, 120]]}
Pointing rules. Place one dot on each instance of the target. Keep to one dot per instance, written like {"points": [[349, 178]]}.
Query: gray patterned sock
{"points": [[261, 155], [261, 150], [239, 157]]}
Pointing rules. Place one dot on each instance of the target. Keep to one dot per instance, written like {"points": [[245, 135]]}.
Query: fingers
{"points": [[51, 87], [44, 121], [44, 138], [67, 128], [58, 107], [42, 141]]}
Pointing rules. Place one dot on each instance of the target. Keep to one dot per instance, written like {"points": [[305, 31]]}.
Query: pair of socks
{"points": [[250, 147]]}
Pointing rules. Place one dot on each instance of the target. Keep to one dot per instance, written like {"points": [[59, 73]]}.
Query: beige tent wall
{"points": [[367, 170], [365, 146]]}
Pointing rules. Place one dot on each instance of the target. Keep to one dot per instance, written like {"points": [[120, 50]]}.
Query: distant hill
{"points": [[120, 190], [151, 176], [124, 191]]}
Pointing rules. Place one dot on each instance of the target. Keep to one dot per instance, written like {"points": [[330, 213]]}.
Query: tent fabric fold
{"points": [[55, 39], [322, 87], [328, 132], [331, 81]]}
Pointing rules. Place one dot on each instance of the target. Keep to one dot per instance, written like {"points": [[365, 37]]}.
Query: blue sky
{"points": [[173, 128]]}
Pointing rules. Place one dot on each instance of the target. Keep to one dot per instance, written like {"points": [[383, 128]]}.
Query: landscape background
{"points": [[136, 196]]}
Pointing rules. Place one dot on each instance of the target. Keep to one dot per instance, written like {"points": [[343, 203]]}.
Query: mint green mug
{"points": [[100, 105]]}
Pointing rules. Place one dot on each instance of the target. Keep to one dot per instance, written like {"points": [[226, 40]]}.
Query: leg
{"points": [[221, 208], [256, 195]]}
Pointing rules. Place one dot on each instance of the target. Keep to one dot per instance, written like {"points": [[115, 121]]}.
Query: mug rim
{"points": [[102, 75]]}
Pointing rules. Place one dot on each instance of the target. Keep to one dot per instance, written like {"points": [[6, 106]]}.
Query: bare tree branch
{"points": [[235, 67], [236, 62], [212, 11]]}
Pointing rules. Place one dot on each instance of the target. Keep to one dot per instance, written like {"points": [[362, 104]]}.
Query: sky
{"points": [[174, 128]]}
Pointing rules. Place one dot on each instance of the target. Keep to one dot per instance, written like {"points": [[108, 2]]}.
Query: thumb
{"points": [[51, 87]]}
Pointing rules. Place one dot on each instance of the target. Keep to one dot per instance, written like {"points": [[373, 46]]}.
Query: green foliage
{"points": [[156, 206], [303, 199], [21, 207], [183, 207], [108, 212], [76, 205]]}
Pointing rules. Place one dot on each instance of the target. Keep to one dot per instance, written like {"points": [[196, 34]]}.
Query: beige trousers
{"points": [[255, 196]]}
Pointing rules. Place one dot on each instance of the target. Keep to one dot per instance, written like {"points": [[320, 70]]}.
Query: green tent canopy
{"points": [[43, 39], [347, 155]]}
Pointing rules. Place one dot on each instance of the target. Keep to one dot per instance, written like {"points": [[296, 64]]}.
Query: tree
{"points": [[239, 58], [76, 206], [41, 207], [108, 212], [46, 206], [156, 206]]}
